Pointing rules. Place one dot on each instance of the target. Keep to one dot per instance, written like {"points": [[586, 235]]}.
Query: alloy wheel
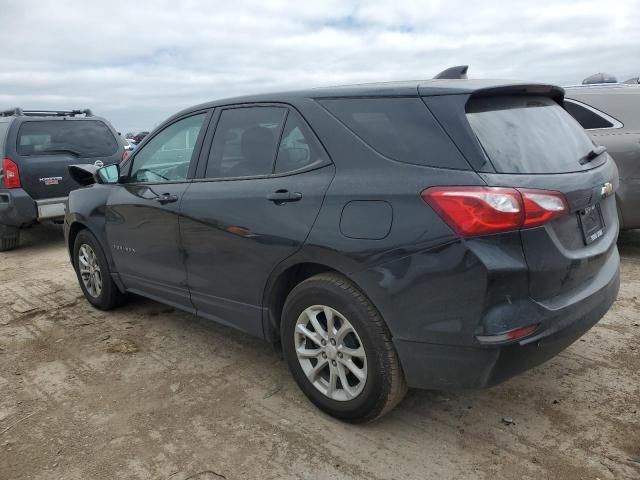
{"points": [[90, 270], [330, 353]]}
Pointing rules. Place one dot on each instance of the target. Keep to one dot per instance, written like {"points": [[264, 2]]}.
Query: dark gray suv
{"points": [[36, 147], [441, 234]]}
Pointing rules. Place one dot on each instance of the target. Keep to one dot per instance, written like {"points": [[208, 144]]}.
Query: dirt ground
{"points": [[147, 392]]}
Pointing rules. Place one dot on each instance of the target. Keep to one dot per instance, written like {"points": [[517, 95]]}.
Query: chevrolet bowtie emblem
{"points": [[607, 189]]}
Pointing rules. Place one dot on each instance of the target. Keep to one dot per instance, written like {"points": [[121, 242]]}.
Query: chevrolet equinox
{"points": [[441, 234]]}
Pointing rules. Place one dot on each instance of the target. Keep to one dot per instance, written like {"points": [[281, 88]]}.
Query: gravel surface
{"points": [[146, 392]]}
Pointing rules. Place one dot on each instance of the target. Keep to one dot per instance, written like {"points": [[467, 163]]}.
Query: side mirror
{"points": [[108, 174]]}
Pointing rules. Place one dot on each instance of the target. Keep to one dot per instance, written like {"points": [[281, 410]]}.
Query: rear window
{"points": [[82, 138], [402, 129], [528, 134]]}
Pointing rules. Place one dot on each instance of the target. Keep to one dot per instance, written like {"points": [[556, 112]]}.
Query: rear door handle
{"points": [[282, 196], [167, 198]]}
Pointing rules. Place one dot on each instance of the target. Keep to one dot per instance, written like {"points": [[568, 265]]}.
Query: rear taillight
{"points": [[124, 155], [11, 174], [474, 211], [542, 206]]}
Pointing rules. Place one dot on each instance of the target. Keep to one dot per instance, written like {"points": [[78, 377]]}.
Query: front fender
{"points": [[86, 209]]}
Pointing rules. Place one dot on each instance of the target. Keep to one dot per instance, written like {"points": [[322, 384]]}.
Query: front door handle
{"points": [[167, 198], [280, 197]]}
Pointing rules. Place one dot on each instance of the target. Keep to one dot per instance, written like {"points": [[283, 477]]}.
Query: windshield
{"points": [[529, 134], [81, 138]]}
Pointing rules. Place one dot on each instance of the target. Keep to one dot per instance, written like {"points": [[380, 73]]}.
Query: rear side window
{"points": [[245, 142], [529, 134], [299, 147], [585, 117], [82, 138], [402, 129]]}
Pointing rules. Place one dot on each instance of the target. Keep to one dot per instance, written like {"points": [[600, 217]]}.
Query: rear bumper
{"points": [[563, 321], [17, 208]]}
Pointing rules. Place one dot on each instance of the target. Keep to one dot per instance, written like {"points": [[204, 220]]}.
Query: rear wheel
{"points": [[339, 350], [9, 238], [93, 273]]}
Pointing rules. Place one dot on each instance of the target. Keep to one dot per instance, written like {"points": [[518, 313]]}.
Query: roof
{"points": [[397, 89]]}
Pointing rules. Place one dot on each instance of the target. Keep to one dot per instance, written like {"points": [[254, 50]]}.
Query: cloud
{"points": [[138, 62]]}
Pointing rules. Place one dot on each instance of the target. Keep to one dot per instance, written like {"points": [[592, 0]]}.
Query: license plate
{"points": [[592, 223]]}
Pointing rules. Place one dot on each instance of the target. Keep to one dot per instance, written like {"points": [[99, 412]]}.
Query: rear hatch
{"points": [[532, 142], [45, 148]]}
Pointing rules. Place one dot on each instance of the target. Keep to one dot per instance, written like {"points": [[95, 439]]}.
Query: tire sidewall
{"points": [[317, 292]]}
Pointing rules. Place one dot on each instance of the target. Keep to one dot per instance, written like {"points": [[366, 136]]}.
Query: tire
{"points": [[9, 238], [108, 296], [384, 385]]}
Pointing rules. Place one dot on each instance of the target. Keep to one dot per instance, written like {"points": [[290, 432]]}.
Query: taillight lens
{"points": [[11, 174], [542, 206], [475, 211], [124, 155]]}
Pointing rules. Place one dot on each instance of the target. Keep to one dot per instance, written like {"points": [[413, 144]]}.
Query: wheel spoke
{"points": [[313, 336], [328, 314], [313, 318], [333, 378], [313, 373], [353, 368], [342, 374], [97, 281], [308, 352], [352, 352]]}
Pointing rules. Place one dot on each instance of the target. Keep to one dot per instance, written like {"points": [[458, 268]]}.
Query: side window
{"points": [[299, 147], [402, 129], [167, 156], [586, 117], [245, 142]]}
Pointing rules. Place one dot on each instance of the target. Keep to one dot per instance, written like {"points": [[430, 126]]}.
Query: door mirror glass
{"points": [[108, 174]]}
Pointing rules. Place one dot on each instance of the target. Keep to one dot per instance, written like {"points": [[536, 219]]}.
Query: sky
{"points": [[137, 62]]}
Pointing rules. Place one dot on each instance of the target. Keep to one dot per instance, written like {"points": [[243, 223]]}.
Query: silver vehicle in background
{"points": [[610, 113]]}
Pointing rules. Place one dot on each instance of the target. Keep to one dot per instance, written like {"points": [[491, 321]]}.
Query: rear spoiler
{"points": [[553, 91], [83, 174]]}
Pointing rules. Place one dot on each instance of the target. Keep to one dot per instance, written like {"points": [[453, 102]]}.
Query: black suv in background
{"points": [[36, 147], [440, 234]]}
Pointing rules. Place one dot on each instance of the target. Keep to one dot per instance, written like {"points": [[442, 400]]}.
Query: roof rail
{"points": [[15, 112], [453, 73]]}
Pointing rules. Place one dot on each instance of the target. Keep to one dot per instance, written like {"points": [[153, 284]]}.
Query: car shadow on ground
{"points": [[629, 243]]}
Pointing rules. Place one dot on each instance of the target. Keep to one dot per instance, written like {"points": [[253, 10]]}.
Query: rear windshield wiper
{"points": [[593, 154], [61, 150]]}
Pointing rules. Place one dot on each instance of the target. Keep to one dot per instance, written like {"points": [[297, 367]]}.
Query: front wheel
{"points": [[339, 350], [93, 273]]}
